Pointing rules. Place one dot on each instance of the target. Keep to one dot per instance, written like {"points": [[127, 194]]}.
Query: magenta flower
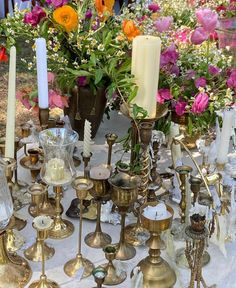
{"points": [[57, 3], [82, 81], [154, 7], [200, 103], [34, 17], [56, 100], [163, 95], [198, 36], [200, 82], [163, 23], [183, 35], [174, 70], [190, 74], [231, 82], [88, 14], [169, 56], [207, 18], [214, 70], [180, 107]]}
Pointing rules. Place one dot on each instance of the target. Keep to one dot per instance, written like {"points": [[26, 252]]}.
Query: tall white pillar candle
{"points": [[42, 73], [11, 106], [87, 139], [145, 68], [223, 149]]}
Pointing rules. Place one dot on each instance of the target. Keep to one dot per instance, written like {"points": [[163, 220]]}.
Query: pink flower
{"points": [[82, 81], [200, 103], [163, 23], [183, 35], [200, 82], [214, 70], [198, 36], [154, 7], [51, 77], [57, 3], [163, 95], [207, 18], [231, 82], [35, 16], [56, 100], [190, 74], [180, 107], [169, 56]]}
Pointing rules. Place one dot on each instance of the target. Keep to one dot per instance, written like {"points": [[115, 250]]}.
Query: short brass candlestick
{"points": [[112, 277], [111, 139], [43, 117], [195, 186], [100, 192], [32, 162], [42, 233], [156, 271], [99, 274], [124, 194], [62, 228], [82, 186]]}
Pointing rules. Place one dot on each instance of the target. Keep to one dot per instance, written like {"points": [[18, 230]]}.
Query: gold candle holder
{"points": [[82, 186], [25, 130], [99, 274], [86, 161], [62, 228], [43, 224], [101, 193], [156, 271], [32, 162], [43, 117], [111, 139], [195, 186], [112, 277], [124, 194], [20, 271]]}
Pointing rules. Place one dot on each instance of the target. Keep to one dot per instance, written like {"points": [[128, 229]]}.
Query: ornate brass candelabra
{"points": [[124, 194], [82, 186], [156, 271]]}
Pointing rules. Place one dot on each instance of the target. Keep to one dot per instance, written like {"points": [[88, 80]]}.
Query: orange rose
{"points": [[66, 17], [104, 7], [130, 30]]}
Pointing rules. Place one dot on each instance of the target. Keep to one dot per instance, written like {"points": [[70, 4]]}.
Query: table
{"points": [[220, 270]]}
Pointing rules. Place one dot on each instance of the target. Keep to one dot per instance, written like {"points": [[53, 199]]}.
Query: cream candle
{"points": [[42, 222], [55, 169], [87, 139], [145, 68], [99, 173], [11, 106], [158, 212], [223, 149], [42, 73]]}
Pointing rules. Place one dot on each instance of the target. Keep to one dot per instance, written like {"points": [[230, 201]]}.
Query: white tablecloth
{"points": [[220, 270]]}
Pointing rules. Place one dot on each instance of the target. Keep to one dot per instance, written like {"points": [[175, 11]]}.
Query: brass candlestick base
{"points": [[97, 239], [156, 271], [135, 234], [19, 223], [44, 283], [112, 277], [182, 262], [82, 186], [61, 228], [34, 252], [14, 270], [14, 241]]}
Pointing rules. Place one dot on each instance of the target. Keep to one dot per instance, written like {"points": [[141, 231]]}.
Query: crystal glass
{"points": [[6, 205], [58, 146]]}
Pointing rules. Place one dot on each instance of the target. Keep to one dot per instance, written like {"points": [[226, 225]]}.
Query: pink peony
{"points": [[51, 77], [56, 100], [169, 56], [200, 82], [163, 23], [35, 16], [154, 7], [207, 18], [180, 107], [214, 70], [163, 95], [198, 36], [200, 103]]}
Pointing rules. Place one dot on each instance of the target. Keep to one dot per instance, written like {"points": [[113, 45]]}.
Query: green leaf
{"points": [[78, 72], [93, 59], [133, 94], [98, 76]]}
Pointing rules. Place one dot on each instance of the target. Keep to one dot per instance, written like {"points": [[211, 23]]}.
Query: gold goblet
{"points": [[156, 271], [124, 194], [82, 186]]}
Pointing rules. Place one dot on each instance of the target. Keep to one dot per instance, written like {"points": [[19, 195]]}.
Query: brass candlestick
{"points": [[112, 277], [86, 160], [15, 270], [43, 224], [82, 186], [195, 186], [111, 139], [99, 275], [156, 271], [32, 162], [101, 193], [43, 117], [124, 194], [62, 228]]}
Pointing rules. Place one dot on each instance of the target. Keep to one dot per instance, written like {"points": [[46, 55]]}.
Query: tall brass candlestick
{"points": [[111, 139], [82, 186]]}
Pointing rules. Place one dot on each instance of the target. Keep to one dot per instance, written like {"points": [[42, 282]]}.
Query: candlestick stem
{"points": [[86, 161], [111, 139], [80, 225], [134, 141], [43, 257], [43, 117]]}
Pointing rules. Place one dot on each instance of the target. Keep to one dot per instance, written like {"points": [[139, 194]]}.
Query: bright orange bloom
{"points": [[104, 7], [67, 17], [130, 30]]}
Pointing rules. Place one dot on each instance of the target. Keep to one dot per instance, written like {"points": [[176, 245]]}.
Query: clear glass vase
{"points": [[58, 146], [6, 205]]}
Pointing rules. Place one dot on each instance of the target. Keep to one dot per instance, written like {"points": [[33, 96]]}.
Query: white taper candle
{"points": [[87, 139]]}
